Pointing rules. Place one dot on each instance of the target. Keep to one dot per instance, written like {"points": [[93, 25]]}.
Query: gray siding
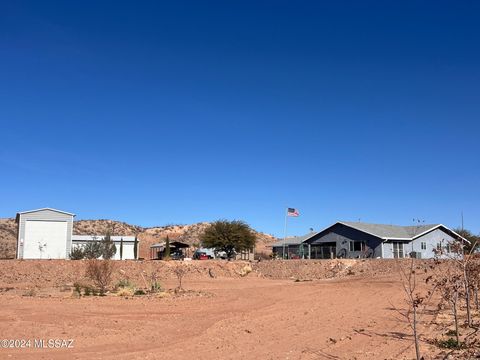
{"points": [[431, 239], [342, 235], [47, 215]]}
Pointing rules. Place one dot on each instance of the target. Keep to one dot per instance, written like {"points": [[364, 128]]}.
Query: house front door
{"points": [[398, 250]]}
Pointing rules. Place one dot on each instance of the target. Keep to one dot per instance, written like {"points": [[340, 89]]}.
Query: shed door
{"points": [[45, 239]]}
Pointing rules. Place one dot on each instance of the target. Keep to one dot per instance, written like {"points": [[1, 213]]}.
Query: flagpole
{"points": [[285, 233]]}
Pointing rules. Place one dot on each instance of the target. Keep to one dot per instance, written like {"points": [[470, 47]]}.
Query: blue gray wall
{"points": [[342, 235], [437, 236]]}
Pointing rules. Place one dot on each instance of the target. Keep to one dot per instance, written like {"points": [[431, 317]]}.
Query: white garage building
{"points": [[44, 234], [47, 234], [128, 243]]}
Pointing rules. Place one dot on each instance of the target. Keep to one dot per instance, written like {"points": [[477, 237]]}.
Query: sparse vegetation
{"points": [[135, 249], [92, 250], [77, 253], [100, 272], [450, 343], [108, 248], [416, 301], [166, 254], [180, 271], [121, 248]]}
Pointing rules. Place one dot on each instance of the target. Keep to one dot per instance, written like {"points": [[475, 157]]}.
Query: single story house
{"points": [[128, 243], [364, 240]]}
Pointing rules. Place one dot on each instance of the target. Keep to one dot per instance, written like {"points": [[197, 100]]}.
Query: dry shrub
{"points": [[100, 272], [127, 291], [180, 271], [247, 269]]}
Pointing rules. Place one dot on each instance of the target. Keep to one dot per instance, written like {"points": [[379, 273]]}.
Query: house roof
{"points": [[391, 231], [100, 237], [382, 231], [294, 240]]}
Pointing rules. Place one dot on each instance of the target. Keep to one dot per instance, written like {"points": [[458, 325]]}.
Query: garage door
{"points": [[45, 239]]}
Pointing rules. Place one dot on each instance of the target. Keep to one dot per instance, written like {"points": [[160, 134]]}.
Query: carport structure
{"points": [[157, 250]]}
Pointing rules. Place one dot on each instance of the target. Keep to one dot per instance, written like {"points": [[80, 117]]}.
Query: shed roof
{"points": [[177, 244], [42, 209], [116, 238]]}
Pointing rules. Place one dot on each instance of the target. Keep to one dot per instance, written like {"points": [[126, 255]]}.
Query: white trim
{"points": [[455, 233], [47, 208]]}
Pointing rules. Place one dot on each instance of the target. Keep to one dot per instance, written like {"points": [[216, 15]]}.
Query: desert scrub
{"points": [[100, 272], [125, 283], [450, 343], [125, 292]]}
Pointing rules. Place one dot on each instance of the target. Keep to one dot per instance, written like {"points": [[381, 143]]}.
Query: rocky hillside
{"points": [[8, 238], [189, 234]]}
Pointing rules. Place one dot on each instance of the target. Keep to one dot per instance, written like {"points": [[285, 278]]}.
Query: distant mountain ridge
{"points": [[147, 236]]}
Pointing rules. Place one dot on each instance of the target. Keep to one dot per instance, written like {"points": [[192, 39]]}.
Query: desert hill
{"points": [[8, 238], [147, 236]]}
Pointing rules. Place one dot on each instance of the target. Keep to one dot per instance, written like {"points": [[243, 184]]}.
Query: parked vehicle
{"points": [[203, 254], [178, 255]]}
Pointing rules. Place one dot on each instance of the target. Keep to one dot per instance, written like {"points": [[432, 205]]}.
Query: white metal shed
{"points": [[44, 234]]}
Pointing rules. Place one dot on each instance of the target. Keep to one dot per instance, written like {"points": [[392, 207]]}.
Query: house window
{"points": [[449, 248], [439, 246], [424, 245], [357, 245]]}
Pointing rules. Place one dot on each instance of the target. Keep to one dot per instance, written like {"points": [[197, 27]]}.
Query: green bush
{"points": [[77, 288], [156, 287], [92, 250], [108, 248], [450, 343], [451, 333], [125, 283], [77, 253]]}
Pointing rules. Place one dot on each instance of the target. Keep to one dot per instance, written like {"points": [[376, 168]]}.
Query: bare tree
{"points": [[461, 254], [416, 301], [450, 285], [180, 271]]}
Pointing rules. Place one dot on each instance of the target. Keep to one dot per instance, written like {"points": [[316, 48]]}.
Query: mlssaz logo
{"points": [[54, 343]]}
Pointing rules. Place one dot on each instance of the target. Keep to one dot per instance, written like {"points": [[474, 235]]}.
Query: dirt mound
{"points": [[57, 273], [326, 269]]}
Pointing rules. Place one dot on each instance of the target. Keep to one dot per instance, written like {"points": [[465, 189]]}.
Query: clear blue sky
{"points": [[156, 112]]}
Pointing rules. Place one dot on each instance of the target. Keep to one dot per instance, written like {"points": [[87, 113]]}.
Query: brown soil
{"points": [[311, 310]]}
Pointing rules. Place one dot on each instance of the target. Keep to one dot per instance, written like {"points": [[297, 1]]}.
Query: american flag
{"points": [[292, 212]]}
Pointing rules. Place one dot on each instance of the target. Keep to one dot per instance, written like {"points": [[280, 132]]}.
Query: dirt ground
{"points": [[221, 318]]}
